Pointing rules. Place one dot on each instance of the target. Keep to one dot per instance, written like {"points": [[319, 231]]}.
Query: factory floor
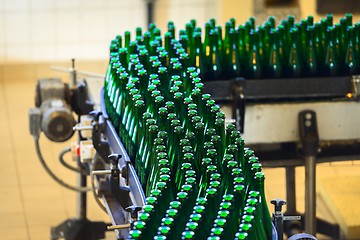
{"points": [[31, 202]]}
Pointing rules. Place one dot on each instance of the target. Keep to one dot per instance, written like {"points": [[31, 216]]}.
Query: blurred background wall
{"points": [[57, 30]]}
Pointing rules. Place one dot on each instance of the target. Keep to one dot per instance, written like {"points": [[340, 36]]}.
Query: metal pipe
{"points": [[290, 190], [150, 11], [81, 197], [122, 226], [310, 195], [101, 172]]}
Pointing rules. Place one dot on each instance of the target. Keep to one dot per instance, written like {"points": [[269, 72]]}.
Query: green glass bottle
{"points": [[264, 213], [311, 66], [214, 59], [254, 65], [351, 66], [295, 66], [275, 63], [331, 59]]}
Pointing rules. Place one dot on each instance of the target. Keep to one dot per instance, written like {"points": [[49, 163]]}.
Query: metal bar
{"points": [[290, 190], [150, 11], [101, 172], [310, 195], [81, 197], [289, 88], [117, 147], [122, 226]]}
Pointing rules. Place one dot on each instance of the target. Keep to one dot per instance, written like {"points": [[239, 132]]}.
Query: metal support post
{"points": [[290, 190], [310, 195], [310, 142]]}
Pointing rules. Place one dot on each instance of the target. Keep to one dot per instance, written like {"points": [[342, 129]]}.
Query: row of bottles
{"points": [[198, 178], [288, 49]]}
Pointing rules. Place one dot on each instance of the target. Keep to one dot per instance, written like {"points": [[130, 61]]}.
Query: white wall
{"points": [[38, 30], [51, 30]]}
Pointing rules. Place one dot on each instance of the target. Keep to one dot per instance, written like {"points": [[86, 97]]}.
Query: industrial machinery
{"points": [[101, 155], [256, 105]]}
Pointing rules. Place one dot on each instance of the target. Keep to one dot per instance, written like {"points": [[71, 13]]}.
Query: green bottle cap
{"points": [[184, 142], [245, 226], [192, 112], [160, 237], [171, 212], [256, 166], [208, 145], [163, 162], [260, 175], [223, 213], [249, 153], [211, 168], [186, 188], [192, 106], [188, 101], [225, 205], [211, 192], [190, 173], [214, 184], [190, 180], [252, 202], [199, 209], [195, 217], [249, 210], [159, 147], [167, 221], [238, 180], [190, 135], [228, 197], [220, 222], [254, 194], [148, 208], [232, 164], [160, 185], [188, 155], [182, 195], [216, 138], [248, 218], [163, 230], [217, 231], [135, 234], [153, 128], [241, 235], [220, 115], [239, 188], [188, 235], [236, 172], [211, 152], [164, 178], [192, 225], [155, 192], [151, 200], [201, 201], [253, 159], [229, 157], [206, 161], [139, 225], [144, 216], [165, 170], [186, 166], [213, 238], [215, 176], [230, 127], [175, 204]]}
